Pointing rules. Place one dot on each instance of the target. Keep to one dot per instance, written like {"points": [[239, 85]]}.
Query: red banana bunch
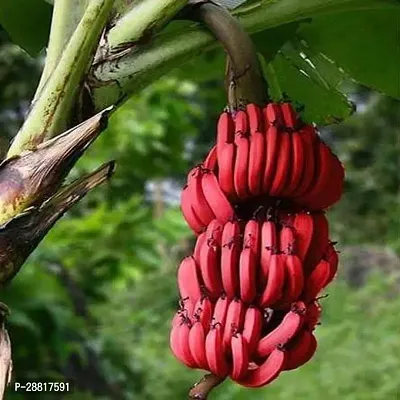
{"points": [[262, 155], [262, 262], [249, 292], [250, 344], [249, 296]]}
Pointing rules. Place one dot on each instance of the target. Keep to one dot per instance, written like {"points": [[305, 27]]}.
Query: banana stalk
{"points": [[66, 17], [51, 111], [128, 30]]}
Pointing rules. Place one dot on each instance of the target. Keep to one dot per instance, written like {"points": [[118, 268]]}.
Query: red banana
{"points": [[234, 321], [230, 233], [287, 240], [322, 179], [197, 198], [313, 315], [283, 170], [197, 339], [317, 280], [300, 350], [332, 257], [290, 117], [230, 255], [247, 275], [319, 242], [179, 343], [210, 271], [226, 165], [256, 163], [214, 232], [177, 319], [220, 311], [199, 244], [308, 137], [255, 118], [272, 140], [240, 357], [267, 371], [294, 280], [218, 202], [297, 161], [189, 214], [211, 160], [240, 178], [252, 326], [272, 115], [174, 340], [257, 150], [216, 361], [294, 268], [334, 189], [185, 311], [203, 312], [269, 246], [286, 330], [188, 281], [303, 225], [252, 236], [241, 123], [275, 281], [225, 131]]}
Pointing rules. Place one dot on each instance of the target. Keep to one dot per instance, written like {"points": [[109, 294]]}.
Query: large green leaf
{"points": [[27, 22], [364, 43]]}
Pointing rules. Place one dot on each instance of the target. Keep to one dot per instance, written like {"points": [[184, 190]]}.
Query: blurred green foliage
{"points": [[95, 300]]}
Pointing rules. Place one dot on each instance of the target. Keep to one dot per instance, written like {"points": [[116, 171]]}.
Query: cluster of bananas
{"points": [[249, 293]]}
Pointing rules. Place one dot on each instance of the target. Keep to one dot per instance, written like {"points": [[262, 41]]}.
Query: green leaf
{"points": [[318, 67], [24, 321], [310, 80], [322, 105], [27, 22], [363, 43]]}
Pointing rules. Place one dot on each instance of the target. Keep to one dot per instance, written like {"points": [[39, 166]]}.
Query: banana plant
{"points": [[101, 52]]}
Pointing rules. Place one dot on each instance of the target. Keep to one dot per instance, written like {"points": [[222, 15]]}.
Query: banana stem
{"points": [[245, 82], [66, 17], [49, 114], [142, 20], [202, 389]]}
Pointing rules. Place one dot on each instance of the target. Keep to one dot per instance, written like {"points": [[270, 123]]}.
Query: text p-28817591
{"points": [[38, 386]]}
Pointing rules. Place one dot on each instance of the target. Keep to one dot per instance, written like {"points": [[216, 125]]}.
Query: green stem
{"points": [[122, 6], [141, 20], [49, 114], [274, 13], [66, 17], [119, 77]]}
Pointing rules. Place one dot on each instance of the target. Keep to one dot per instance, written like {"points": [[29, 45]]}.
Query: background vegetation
{"points": [[95, 300]]}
